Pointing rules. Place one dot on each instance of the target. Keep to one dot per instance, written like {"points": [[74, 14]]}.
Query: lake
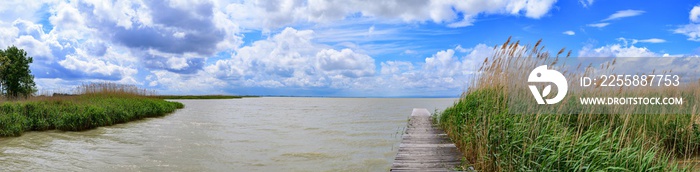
{"points": [[250, 134]]}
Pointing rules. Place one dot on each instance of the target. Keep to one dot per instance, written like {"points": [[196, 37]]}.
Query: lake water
{"points": [[251, 134]]}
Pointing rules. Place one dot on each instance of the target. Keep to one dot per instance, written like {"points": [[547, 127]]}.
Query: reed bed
{"points": [[493, 136], [98, 104]]}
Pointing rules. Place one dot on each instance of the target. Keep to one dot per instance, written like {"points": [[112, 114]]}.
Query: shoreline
{"points": [[79, 113]]}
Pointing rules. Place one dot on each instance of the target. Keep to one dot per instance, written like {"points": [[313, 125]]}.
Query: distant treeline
{"points": [[199, 96]]}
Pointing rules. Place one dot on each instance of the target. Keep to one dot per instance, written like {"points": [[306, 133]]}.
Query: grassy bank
{"points": [[198, 97], [97, 105], [492, 138]]}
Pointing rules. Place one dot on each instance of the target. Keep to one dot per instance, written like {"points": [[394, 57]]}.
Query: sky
{"points": [[345, 48]]}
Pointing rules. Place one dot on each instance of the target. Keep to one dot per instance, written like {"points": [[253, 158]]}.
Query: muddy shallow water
{"points": [[251, 134]]}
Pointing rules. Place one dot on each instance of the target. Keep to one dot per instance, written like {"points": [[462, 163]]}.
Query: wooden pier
{"points": [[425, 147]]}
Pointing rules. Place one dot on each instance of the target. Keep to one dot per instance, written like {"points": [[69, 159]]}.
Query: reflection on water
{"points": [[255, 134]]}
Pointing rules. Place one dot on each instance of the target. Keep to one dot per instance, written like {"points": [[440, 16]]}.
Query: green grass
{"points": [[76, 113], [493, 138], [198, 97]]}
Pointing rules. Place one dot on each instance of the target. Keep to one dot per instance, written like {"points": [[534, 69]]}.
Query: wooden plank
{"points": [[425, 147], [419, 169], [428, 165], [420, 112]]}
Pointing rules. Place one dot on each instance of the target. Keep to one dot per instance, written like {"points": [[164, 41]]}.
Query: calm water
{"points": [[254, 134]]}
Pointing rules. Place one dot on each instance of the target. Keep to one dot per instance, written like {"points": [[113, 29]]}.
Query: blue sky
{"points": [[391, 48]]}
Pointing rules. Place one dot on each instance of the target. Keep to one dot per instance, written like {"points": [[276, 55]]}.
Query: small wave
{"points": [[332, 132], [308, 155]]}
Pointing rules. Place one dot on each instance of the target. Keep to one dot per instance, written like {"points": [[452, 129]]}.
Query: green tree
{"points": [[15, 77]]}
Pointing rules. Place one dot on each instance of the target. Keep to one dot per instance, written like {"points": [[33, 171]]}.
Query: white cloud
{"points": [[93, 40], [34, 48], [179, 34], [27, 10], [695, 14], [67, 18], [7, 36], [177, 63], [395, 67], [616, 50], [631, 42], [586, 3], [624, 14], [92, 66], [443, 63], [443, 70], [690, 30], [123, 13], [463, 23], [409, 52], [651, 40], [598, 25], [617, 15], [460, 49], [345, 62], [69, 51], [293, 59], [28, 28], [272, 14], [569, 32], [176, 83]]}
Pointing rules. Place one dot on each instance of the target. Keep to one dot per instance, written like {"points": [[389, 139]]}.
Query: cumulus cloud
{"points": [[179, 63], [95, 67], [68, 47], [453, 13], [27, 28], [173, 29], [67, 17], [182, 45], [691, 30], [345, 62], [65, 53], [35, 47], [176, 36], [623, 14], [446, 69], [112, 40], [443, 63], [569, 32], [695, 14], [395, 67], [292, 58], [27, 10]]}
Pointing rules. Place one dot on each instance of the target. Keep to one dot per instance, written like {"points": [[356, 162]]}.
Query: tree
{"points": [[15, 77]]}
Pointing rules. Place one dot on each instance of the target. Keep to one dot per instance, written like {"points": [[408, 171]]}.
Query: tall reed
{"points": [[494, 136], [99, 104]]}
